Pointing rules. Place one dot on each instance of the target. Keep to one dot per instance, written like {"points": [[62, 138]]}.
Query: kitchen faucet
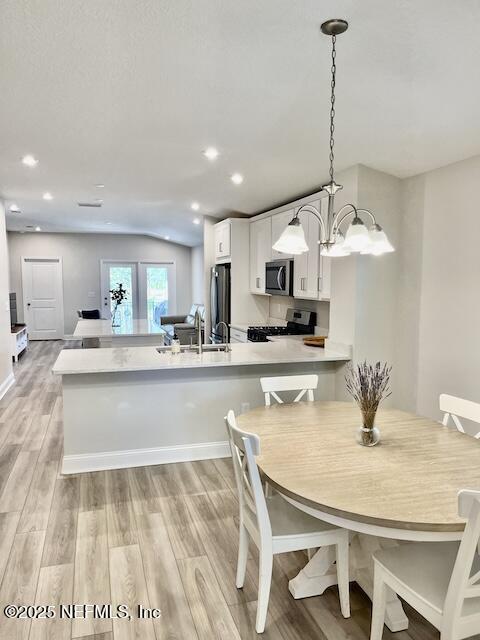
{"points": [[227, 345], [198, 329]]}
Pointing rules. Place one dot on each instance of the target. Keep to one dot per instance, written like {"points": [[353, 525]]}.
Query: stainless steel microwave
{"points": [[279, 278]]}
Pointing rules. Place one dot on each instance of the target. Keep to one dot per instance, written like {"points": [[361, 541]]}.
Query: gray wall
{"points": [[449, 313], [5, 336], [198, 275], [81, 254]]}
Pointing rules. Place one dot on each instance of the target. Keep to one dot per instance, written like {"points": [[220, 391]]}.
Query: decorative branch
{"points": [[368, 385]]}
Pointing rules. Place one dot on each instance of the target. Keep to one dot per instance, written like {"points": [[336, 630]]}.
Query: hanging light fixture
{"points": [[358, 238]]}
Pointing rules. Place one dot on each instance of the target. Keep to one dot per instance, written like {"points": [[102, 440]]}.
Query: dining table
{"points": [[403, 489]]}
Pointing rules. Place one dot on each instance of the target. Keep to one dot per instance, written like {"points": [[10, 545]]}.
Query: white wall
{"points": [[364, 288], [81, 254], [198, 275], [449, 320], [5, 336]]}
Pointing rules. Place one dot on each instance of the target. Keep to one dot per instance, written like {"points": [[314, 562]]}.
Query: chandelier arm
{"points": [[354, 210], [311, 209], [336, 222], [368, 212]]}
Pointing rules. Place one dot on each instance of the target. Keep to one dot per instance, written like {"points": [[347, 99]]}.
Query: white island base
{"points": [[134, 407]]}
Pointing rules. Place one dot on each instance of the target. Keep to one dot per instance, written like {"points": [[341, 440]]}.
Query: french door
{"points": [[150, 287]]}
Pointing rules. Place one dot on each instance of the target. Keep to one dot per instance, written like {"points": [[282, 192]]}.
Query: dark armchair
{"points": [[183, 326]]}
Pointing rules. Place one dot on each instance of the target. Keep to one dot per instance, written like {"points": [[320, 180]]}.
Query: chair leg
{"points": [[264, 582], [242, 556], [379, 605], [343, 579]]}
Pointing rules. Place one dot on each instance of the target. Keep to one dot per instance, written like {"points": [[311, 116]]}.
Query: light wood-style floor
{"points": [[163, 536]]}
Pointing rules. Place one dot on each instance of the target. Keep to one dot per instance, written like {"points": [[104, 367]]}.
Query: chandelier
{"points": [[334, 242]]}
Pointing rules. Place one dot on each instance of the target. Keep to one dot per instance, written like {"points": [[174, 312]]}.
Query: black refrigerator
{"points": [[220, 302]]}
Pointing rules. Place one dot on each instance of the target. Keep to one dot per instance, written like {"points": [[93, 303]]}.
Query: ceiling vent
{"points": [[90, 204]]}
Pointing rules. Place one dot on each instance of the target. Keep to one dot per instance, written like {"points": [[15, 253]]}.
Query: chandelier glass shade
{"points": [[356, 237]]}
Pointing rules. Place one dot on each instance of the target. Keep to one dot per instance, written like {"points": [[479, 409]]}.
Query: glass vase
{"points": [[368, 435]]}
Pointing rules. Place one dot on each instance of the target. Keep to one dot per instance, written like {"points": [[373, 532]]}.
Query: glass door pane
{"points": [[157, 294], [115, 274]]}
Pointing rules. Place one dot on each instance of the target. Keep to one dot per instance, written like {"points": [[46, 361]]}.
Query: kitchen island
{"points": [[134, 332], [135, 406]]}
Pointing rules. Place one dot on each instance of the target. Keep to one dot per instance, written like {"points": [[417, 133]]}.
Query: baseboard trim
{"points": [[85, 462], [7, 384]]}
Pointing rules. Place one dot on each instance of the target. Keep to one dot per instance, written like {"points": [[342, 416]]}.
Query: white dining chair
{"points": [[275, 526], [305, 384], [441, 580], [457, 408]]}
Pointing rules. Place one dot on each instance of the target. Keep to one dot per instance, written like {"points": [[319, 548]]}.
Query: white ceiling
{"points": [[129, 94]]}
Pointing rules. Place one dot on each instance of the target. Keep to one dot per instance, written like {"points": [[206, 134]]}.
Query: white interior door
{"points": [[114, 273], [157, 291], [42, 283]]}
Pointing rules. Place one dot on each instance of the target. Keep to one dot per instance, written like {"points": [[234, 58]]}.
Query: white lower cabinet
{"points": [[260, 253]]}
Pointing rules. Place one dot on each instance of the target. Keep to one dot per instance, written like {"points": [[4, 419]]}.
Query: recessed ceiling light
{"points": [[211, 153], [100, 186], [166, 237], [236, 178], [14, 208], [195, 206], [196, 221], [29, 160], [37, 229], [108, 223], [47, 196]]}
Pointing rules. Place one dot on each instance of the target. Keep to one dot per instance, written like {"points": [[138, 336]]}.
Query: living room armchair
{"points": [[183, 326]]}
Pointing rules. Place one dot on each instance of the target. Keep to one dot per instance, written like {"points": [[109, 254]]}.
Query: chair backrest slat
{"points": [[305, 384], [463, 583], [244, 447], [456, 408]]}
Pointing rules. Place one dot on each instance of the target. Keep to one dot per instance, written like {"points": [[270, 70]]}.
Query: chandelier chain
{"points": [[332, 107]]}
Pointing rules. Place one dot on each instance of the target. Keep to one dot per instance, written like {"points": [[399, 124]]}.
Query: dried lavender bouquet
{"points": [[368, 385]]}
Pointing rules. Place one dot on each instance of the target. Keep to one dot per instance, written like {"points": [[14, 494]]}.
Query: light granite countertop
{"points": [[81, 361], [104, 329]]}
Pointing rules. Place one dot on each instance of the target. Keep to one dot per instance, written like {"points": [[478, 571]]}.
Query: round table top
{"points": [[410, 480]]}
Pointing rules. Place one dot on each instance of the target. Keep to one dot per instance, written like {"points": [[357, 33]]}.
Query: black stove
{"points": [[298, 323]]}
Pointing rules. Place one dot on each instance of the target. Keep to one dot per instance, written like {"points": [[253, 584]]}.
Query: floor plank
{"points": [[164, 585], [129, 587], [120, 514], [211, 615], [62, 523], [184, 537], [92, 576], [55, 587], [37, 506], [20, 581]]}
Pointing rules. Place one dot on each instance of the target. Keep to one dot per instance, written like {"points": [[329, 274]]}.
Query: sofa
{"points": [[183, 326]]}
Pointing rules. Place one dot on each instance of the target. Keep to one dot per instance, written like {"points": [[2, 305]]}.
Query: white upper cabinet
{"points": [[279, 222], [260, 253], [222, 235], [306, 265]]}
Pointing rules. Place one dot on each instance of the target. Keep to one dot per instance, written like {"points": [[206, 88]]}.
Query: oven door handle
{"points": [[279, 273]]}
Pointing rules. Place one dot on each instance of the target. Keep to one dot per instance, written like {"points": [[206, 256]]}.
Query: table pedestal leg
{"points": [[320, 573]]}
